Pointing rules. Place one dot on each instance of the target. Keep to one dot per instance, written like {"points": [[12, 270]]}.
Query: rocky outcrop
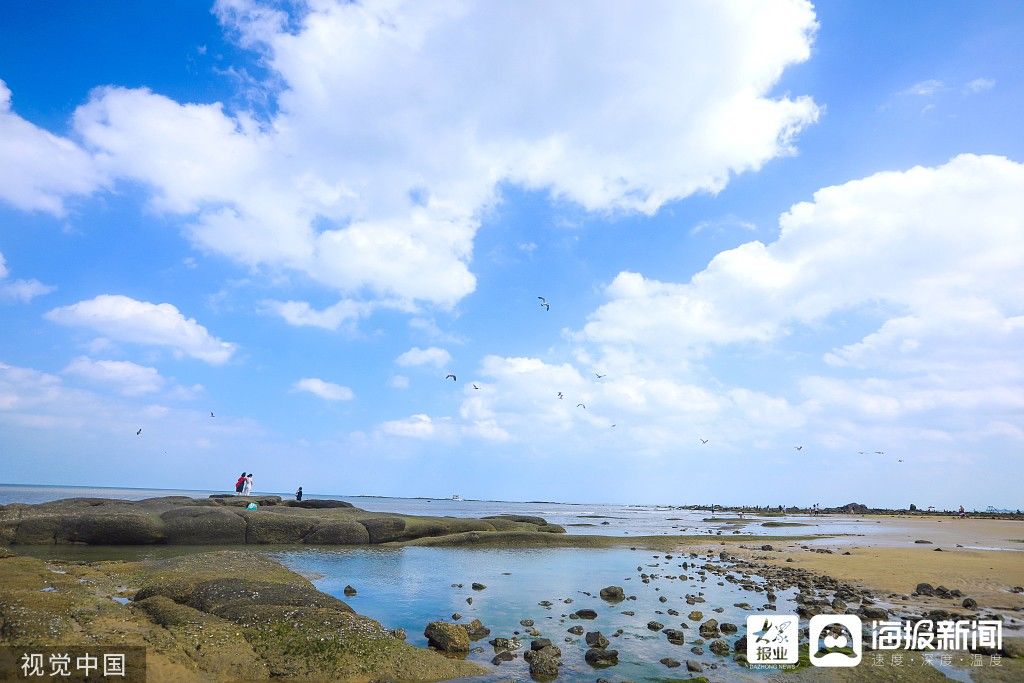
{"points": [[447, 637], [225, 519]]}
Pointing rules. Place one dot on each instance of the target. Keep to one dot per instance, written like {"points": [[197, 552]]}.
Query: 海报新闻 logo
{"points": [[835, 640], [772, 639]]}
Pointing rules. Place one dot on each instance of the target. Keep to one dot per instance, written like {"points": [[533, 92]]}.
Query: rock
{"points": [[674, 636], [456, 616], [709, 629], [767, 546], [544, 663], [923, 542], [349, 591], [662, 599], [873, 612], [838, 605], [694, 666], [613, 594], [969, 603], [476, 630], [398, 633], [924, 589], [576, 630], [383, 529], [503, 656], [447, 637], [600, 658], [741, 644], [728, 628], [669, 662], [695, 616], [469, 601], [655, 626], [318, 504], [195, 525], [526, 622], [338, 532], [719, 647], [540, 643], [500, 644], [585, 614], [477, 586], [596, 640]]}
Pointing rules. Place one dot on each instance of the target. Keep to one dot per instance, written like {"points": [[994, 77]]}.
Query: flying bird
{"points": [[139, 433], [580, 405], [451, 377], [799, 448], [861, 452], [901, 459], [560, 395], [211, 414], [475, 386], [879, 452], [600, 376], [703, 440], [542, 300]]}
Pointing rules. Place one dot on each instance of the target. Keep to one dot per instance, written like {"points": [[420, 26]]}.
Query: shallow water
{"points": [[410, 587]]}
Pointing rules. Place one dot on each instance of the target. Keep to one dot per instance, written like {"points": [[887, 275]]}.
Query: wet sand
{"points": [[891, 562]]}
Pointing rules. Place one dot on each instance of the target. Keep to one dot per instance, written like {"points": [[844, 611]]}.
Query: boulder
{"points": [[338, 532], [600, 658], [675, 636], [383, 529], [613, 594], [576, 630], [597, 640], [476, 630], [114, 528], [318, 504], [585, 614], [709, 629], [276, 528], [544, 663], [447, 637], [719, 647], [669, 662], [694, 666], [204, 526]]}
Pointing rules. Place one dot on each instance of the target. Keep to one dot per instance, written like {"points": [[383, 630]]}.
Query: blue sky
{"points": [[766, 225]]}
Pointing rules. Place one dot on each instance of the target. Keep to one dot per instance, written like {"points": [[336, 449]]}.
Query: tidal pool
{"points": [[410, 587]]}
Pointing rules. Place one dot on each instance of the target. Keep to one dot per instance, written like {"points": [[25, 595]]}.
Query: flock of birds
{"points": [[598, 376]]}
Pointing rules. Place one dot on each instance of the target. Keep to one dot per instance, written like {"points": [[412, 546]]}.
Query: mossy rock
{"points": [[383, 529], [338, 532], [198, 525], [275, 527], [112, 528]]}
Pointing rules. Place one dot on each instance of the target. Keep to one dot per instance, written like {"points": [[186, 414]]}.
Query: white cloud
{"points": [[398, 382], [396, 123], [979, 85], [301, 314], [926, 88], [20, 290], [122, 318], [418, 426], [39, 170], [433, 355], [325, 390], [939, 362], [130, 379], [727, 223]]}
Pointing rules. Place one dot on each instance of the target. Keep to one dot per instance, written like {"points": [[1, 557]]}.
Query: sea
{"points": [[410, 587]]}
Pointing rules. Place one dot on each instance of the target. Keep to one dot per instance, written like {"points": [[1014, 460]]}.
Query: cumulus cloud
{"points": [[378, 190], [933, 356], [124, 319], [433, 355], [130, 379], [20, 290], [39, 170], [926, 88], [302, 314], [978, 85], [418, 426], [325, 390]]}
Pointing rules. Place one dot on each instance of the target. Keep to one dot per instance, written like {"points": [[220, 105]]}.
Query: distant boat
{"points": [[456, 496]]}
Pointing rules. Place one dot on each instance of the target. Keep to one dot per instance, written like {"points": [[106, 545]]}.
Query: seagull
{"points": [[901, 459], [452, 377], [139, 433], [600, 376], [560, 395], [211, 414], [861, 452], [613, 426], [542, 300], [475, 386], [879, 452], [703, 440], [580, 405], [799, 448]]}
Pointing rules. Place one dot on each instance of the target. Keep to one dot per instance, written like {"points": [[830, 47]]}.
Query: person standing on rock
{"points": [[240, 484], [298, 494], [247, 487]]}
